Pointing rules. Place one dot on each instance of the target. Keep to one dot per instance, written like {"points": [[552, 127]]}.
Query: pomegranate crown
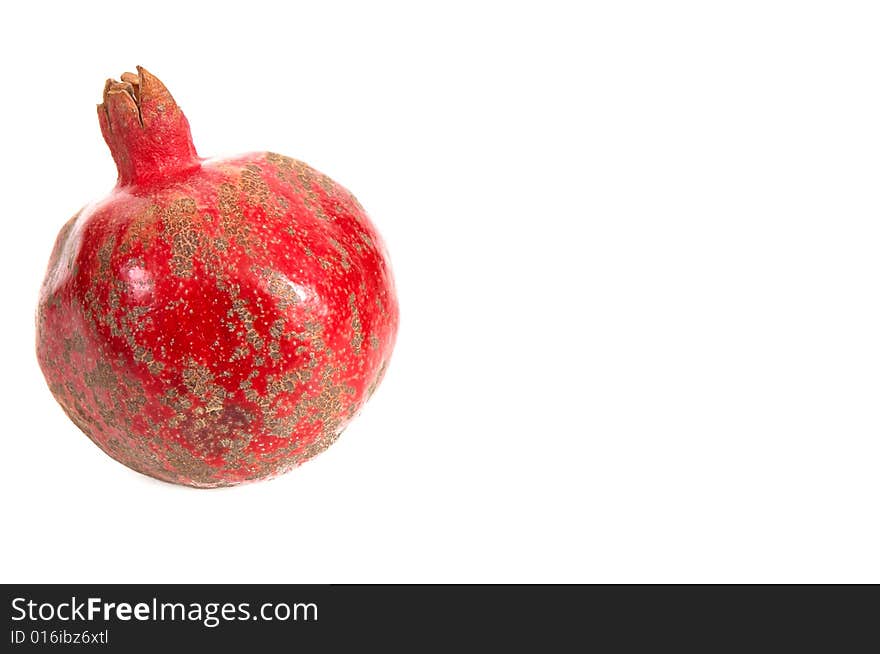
{"points": [[146, 131]]}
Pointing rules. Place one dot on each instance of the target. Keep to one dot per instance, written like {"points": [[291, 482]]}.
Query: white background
{"points": [[636, 246]]}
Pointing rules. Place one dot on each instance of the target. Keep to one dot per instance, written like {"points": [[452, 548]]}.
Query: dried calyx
{"points": [[147, 133], [130, 85]]}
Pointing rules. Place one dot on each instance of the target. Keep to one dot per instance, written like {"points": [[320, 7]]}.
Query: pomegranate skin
{"points": [[212, 321]]}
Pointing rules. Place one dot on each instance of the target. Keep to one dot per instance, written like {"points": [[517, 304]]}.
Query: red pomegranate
{"points": [[212, 321]]}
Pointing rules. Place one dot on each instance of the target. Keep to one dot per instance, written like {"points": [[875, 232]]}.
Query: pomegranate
{"points": [[212, 321]]}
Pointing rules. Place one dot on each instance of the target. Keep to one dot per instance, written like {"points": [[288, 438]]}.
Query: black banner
{"points": [[417, 617]]}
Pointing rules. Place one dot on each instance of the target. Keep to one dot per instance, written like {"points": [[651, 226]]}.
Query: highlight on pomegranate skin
{"points": [[212, 321]]}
